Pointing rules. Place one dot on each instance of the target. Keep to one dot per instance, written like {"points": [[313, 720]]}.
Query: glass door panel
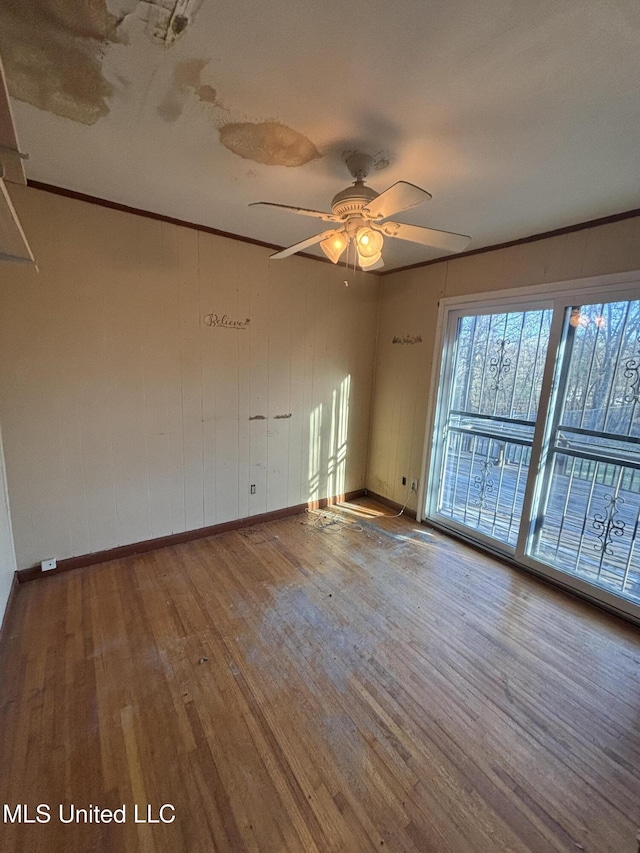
{"points": [[487, 419], [586, 516]]}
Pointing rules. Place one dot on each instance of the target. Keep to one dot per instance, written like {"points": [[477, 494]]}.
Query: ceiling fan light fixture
{"points": [[334, 246], [369, 242], [372, 262], [361, 221]]}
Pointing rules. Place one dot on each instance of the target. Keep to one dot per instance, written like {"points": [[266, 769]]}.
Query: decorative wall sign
{"points": [[225, 321], [407, 339]]}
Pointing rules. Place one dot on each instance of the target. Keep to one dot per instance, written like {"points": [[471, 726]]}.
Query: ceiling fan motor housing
{"points": [[350, 201]]}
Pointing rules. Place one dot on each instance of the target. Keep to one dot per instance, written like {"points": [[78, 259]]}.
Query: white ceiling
{"points": [[519, 116]]}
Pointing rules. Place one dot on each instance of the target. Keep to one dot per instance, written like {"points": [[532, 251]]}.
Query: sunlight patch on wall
{"points": [[327, 472], [337, 463], [315, 452]]}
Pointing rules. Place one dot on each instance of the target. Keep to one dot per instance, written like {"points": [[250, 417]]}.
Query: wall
{"points": [[7, 553], [409, 306], [126, 417]]}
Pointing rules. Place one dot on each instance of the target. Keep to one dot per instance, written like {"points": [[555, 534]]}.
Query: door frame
{"points": [[608, 288]]}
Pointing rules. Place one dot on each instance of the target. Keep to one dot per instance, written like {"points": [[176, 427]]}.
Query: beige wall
{"points": [[409, 306], [7, 553], [126, 418]]}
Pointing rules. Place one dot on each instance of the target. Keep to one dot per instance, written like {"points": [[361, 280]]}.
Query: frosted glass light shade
{"points": [[369, 242], [334, 246], [367, 263]]}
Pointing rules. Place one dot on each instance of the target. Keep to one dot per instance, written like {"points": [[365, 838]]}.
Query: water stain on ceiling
{"points": [[186, 78], [53, 50], [268, 142]]}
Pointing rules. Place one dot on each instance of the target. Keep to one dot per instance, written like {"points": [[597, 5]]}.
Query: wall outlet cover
{"points": [[47, 565]]}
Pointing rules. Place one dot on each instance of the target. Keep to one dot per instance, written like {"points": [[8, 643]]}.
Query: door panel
{"points": [[589, 505], [488, 420]]}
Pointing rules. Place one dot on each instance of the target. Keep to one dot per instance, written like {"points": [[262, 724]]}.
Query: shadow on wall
{"points": [[328, 452]]}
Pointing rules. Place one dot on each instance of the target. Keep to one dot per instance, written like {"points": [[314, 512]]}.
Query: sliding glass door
{"points": [[588, 508], [535, 450], [488, 420]]}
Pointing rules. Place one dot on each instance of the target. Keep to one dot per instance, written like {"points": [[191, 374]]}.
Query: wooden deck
{"points": [[291, 688]]}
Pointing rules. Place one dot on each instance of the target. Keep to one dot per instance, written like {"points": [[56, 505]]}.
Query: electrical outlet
{"points": [[404, 481], [47, 565], [414, 484], [253, 489]]}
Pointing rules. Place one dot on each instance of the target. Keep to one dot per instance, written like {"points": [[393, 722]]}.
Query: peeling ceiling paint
{"points": [[172, 17], [165, 20], [268, 142], [53, 50], [517, 117]]}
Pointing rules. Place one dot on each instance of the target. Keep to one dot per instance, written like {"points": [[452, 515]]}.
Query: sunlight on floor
{"points": [[374, 520]]}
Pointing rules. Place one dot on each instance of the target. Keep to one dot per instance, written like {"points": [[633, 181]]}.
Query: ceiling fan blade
{"points": [[448, 241], [13, 242], [318, 214], [303, 244], [399, 196], [11, 160]]}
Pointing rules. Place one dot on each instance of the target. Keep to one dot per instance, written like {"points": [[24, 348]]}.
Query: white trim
{"points": [[571, 583], [546, 402], [431, 411], [584, 588], [559, 288]]}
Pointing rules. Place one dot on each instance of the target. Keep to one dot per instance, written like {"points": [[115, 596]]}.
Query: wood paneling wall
{"points": [[409, 306], [126, 417]]}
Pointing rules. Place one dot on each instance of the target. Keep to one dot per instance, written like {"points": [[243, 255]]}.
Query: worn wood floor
{"points": [[291, 688]]}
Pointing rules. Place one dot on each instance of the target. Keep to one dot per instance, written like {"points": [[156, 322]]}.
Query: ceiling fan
{"points": [[362, 216]]}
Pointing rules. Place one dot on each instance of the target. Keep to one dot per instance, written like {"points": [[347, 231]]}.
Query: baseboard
{"points": [[7, 609], [35, 572], [411, 513]]}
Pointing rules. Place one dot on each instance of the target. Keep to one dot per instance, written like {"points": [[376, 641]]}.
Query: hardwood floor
{"points": [[292, 688]]}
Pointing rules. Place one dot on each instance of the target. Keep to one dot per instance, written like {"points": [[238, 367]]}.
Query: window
{"points": [[535, 449]]}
